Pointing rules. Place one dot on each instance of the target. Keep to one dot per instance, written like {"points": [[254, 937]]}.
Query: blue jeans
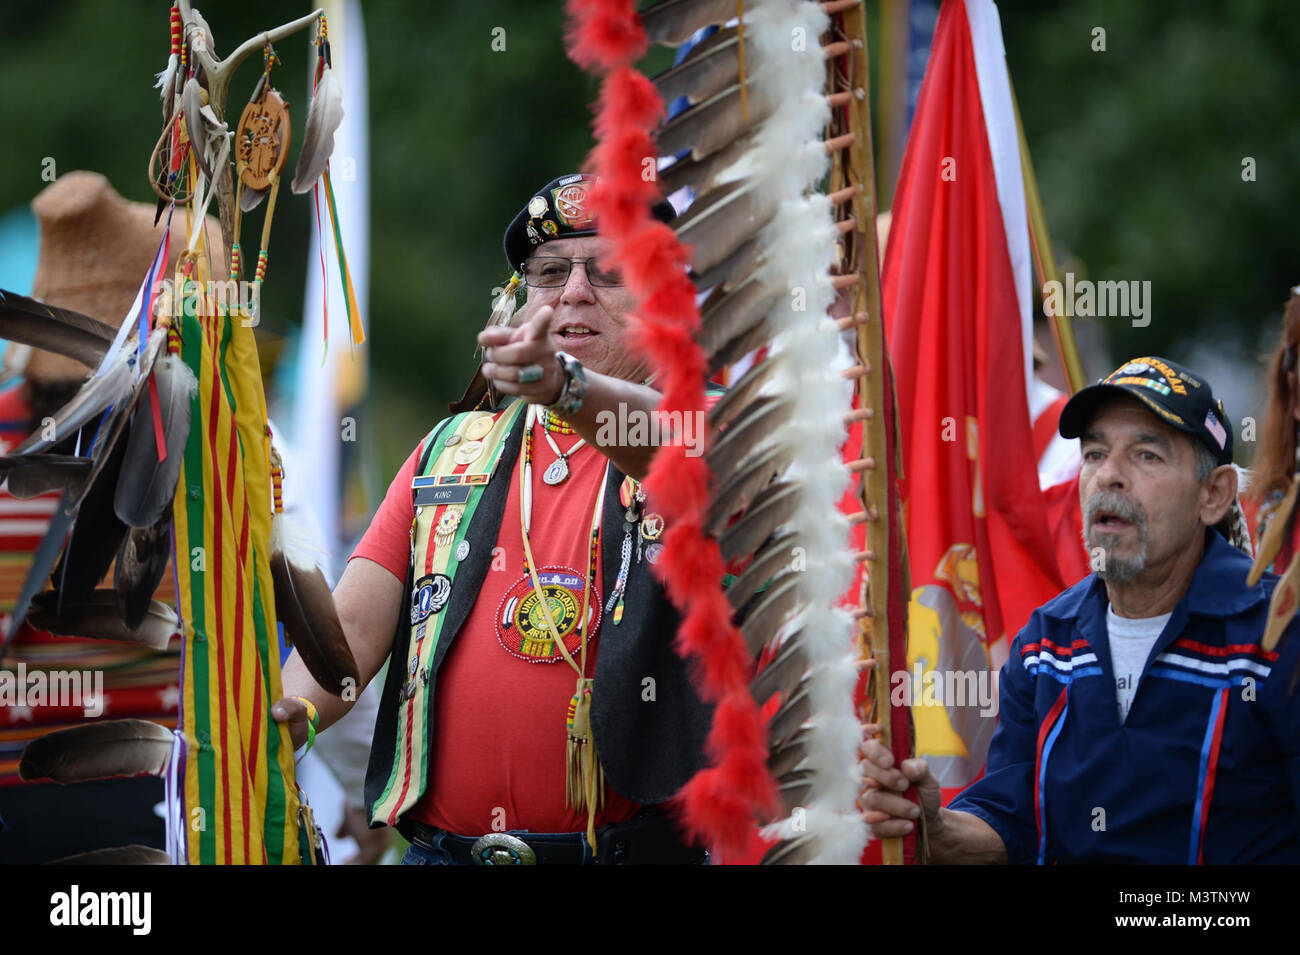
{"points": [[417, 854]]}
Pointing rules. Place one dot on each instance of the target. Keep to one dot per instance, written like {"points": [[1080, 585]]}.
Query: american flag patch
{"points": [[1213, 426]]}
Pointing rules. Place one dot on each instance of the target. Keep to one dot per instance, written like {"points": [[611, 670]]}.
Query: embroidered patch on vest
{"points": [[429, 596], [521, 625]]}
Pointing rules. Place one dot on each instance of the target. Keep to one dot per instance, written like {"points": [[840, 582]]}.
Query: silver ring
{"points": [[530, 374]]}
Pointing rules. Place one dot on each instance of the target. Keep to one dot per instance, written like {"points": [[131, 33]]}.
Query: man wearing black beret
{"points": [[534, 708]]}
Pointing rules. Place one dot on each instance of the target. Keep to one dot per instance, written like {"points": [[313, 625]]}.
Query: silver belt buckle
{"points": [[500, 848]]}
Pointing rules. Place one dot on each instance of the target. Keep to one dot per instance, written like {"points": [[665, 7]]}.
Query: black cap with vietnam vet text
{"points": [[561, 209], [1180, 398]]}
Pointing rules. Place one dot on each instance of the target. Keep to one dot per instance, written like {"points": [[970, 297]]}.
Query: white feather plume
{"points": [[800, 244], [167, 78]]}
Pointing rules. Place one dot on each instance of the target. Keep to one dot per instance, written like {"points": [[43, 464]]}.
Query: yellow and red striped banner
{"points": [[241, 804]]}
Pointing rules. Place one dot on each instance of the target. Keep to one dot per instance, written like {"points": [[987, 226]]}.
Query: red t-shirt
{"points": [[497, 760]]}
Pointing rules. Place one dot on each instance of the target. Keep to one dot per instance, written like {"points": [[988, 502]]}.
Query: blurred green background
{"points": [[1138, 150]]}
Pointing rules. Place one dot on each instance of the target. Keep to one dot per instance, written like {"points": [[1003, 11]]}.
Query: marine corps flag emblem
{"points": [[956, 286]]}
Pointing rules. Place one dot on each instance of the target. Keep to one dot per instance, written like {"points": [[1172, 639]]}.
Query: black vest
{"points": [[648, 721]]}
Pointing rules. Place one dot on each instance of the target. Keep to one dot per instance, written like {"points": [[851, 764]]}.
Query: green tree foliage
{"points": [[1139, 153], [1138, 150]]}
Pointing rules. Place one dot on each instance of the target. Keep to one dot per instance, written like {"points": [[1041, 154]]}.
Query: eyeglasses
{"points": [[552, 271]]}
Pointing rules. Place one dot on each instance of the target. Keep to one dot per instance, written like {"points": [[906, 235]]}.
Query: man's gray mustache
{"points": [[1112, 502]]}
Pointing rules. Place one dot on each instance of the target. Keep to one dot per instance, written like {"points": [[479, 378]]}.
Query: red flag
{"points": [[956, 288]]}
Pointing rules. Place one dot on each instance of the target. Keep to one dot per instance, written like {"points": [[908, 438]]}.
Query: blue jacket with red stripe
{"points": [[1205, 769]]}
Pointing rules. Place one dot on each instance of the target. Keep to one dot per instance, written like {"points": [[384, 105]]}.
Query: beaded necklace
{"points": [[584, 776]]}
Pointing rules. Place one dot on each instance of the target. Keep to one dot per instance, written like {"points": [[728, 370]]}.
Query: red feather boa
{"points": [[720, 803]]}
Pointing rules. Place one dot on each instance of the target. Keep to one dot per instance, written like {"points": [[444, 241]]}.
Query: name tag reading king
{"points": [[427, 495]]}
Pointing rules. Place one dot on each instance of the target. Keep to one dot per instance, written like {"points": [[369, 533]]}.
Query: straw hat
{"points": [[95, 250]]}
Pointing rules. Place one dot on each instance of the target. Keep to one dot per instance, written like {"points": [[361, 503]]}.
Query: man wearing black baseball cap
{"points": [[1177, 396], [1140, 720]]}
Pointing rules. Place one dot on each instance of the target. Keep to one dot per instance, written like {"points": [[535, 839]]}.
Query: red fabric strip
{"points": [[157, 419], [1210, 773], [1044, 731]]}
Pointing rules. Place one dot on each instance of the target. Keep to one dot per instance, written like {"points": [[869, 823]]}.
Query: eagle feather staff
{"points": [[754, 139]]}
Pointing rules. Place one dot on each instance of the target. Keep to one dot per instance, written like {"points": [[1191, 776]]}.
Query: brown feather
{"points": [[118, 855], [323, 119], [141, 563], [732, 271], [98, 751], [59, 330], [753, 338], [740, 395], [774, 557], [672, 22], [798, 851], [147, 485], [773, 508], [250, 199], [99, 618], [789, 719], [720, 222], [789, 754], [731, 317], [192, 107], [304, 604], [794, 788], [782, 673], [32, 474], [703, 174], [716, 122], [748, 480], [771, 611], [709, 68], [751, 429]]}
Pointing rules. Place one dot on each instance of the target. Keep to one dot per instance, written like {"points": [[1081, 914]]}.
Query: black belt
{"points": [[650, 838]]}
